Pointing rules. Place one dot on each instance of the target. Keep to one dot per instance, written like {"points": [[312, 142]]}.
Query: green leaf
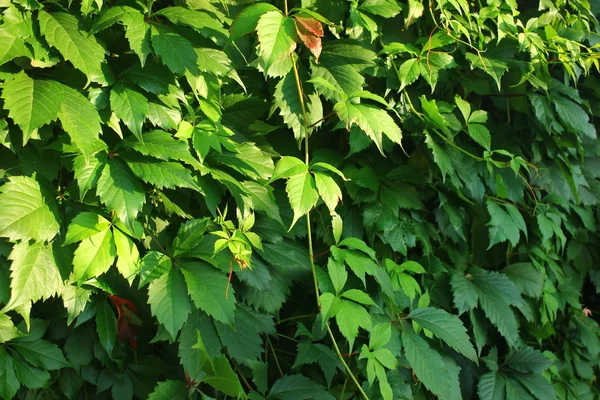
{"points": [[163, 174], [527, 360], [506, 222], [189, 236], [372, 120], [106, 325], [169, 301], [153, 266], [8, 331], [408, 72], [380, 335], [491, 386], [426, 363], [61, 30], [128, 255], [9, 385], [298, 387], [120, 190], [302, 194], [28, 211], [538, 386], [84, 225], [41, 353], [204, 23], [87, 172], [447, 327], [358, 296], [276, 37], [440, 157], [31, 103], [493, 67], [209, 291], [464, 291], [245, 21], [337, 273], [175, 51], [130, 106], [287, 167], [94, 256], [349, 318], [34, 274], [328, 190], [80, 119], [30, 376], [169, 390], [526, 277], [480, 134], [11, 46], [573, 116]]}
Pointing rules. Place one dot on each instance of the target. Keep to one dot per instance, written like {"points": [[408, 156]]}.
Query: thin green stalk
{"points": [[309, 231]]}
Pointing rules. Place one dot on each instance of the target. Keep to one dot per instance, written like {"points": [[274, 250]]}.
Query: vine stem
{"points": [[311, 255]]}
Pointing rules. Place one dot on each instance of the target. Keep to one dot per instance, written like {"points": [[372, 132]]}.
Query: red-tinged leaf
{"points": [[310, 31], [311, 25], [127, 320]]}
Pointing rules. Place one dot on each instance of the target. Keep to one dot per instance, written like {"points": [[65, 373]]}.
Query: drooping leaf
{"points": [[106, 325], [246, 20], [298, 387], [130, 106], [9, 384], [94, 255], [169, 390], [302, 194]]}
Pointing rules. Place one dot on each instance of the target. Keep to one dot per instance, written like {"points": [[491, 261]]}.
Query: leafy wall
{"points": [[309, 199]]}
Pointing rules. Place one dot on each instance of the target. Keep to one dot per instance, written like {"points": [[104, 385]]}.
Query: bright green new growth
{"points": [[288, 200]]}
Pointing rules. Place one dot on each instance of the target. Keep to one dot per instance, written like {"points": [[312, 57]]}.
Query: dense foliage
{"points": [[309, 199]]}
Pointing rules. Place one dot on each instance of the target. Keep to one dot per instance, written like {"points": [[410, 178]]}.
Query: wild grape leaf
{"points": [[538, 386], [349, 318], [447, 327], [152, 77], [276, 38], [30, 376], [263, 199], [374, 121], [169, 301], [493, 67], [153, 266], [328, 190], [169, 390], [87, 172], [464, 291], [245, 21], [163, 174], [383, 8], [31, 103], [526, 277], [408, 72], [573, 116], [204, 23], [217, 62], [81, 121], [440, 157], [249, 160], [175, 51], [345, 78], [128, 255], [298, 387], [34, 274], [41, 353], [9, 384], [130, 106], [61, 30], [491, 386], [505, 223], [288, 166], [208, 288], [480, 134], [528, 360], [189, 236], [28, 211], [106, 325], [302, 194], [94, 255], [12, 46], [426, 363], [120, 190], [137, 32]]}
